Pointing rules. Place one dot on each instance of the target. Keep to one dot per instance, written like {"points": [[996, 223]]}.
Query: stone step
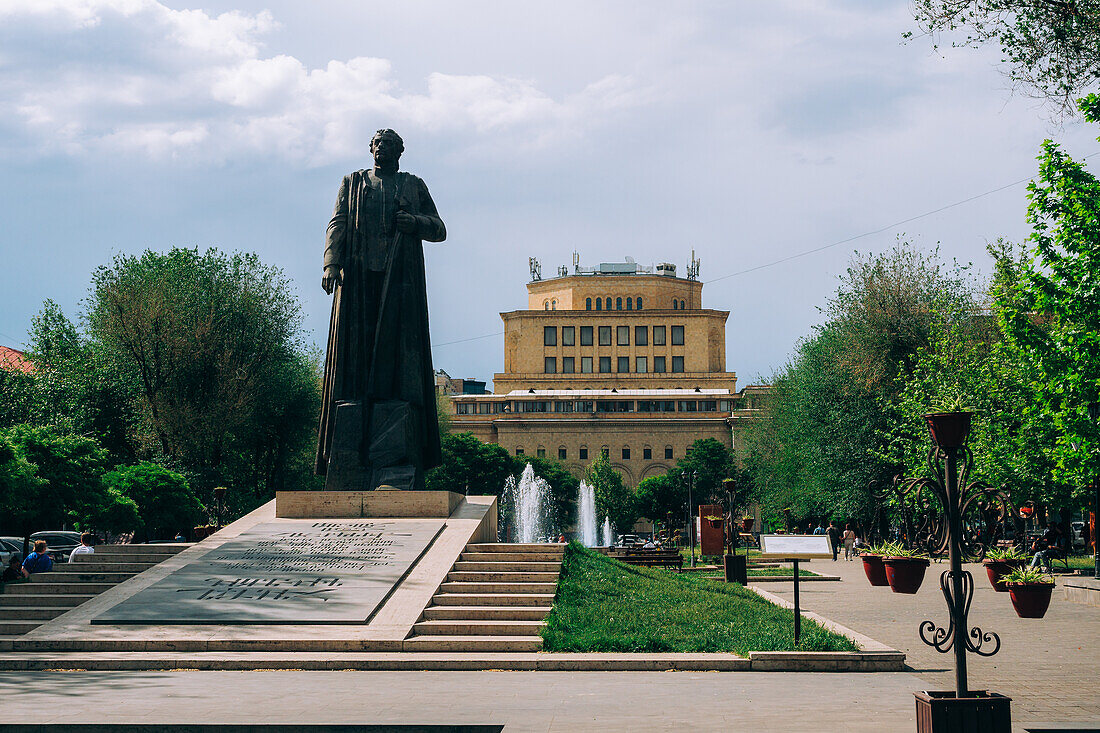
{"points": [[27, 599], [514, 547], [493, 599], [19, 626], [460, 587], [509, 557], [435, 643], [41, 613], [101, 566], [158, 549], [510, 567], [474, 576], [78, 577], [142, 557], [68, 588], [485, 613], [489, 627]]}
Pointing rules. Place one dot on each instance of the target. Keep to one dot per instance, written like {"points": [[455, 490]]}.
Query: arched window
{"points": [[588, 304], [683, 305], [546, 305], [675, 304], [618, 304], [554, 305], [639, 306], [607, 304], [629, 304], [599, 304]]}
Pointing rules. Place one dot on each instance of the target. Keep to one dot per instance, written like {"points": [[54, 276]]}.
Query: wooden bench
{"points": [[649, 558]]}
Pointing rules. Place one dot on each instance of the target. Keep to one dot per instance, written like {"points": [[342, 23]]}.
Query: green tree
{"points": [[19, 487], [470, 466], [1053, 314], [164, 499], [656, 496], [613, 499], [1051, 47], [710, 462]]}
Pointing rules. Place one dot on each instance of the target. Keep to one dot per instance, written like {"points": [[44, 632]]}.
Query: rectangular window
{"points": [[641, 335], [586, 365], [562, 454], [584, 405], [659, 364], [622, 335], [550, 335], [641, 365], [626, 454], [567, 365], [487, 408], [541, 452], [677, 364], [519, 451], [563, 407], [708, 405], [668, 454], [583, 453], [647, 454], [568, 335], [624, 364], [550, 365], [605, 365], [605, 335], [605, 452], [687, 406], [677, 335], [586, 335], [658, 335]]}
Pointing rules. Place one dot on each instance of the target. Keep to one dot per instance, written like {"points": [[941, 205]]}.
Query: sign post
{"points": [[793, 548]]}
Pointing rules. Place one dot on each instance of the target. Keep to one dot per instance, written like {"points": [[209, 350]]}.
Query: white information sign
{"points": [[803, 546]]}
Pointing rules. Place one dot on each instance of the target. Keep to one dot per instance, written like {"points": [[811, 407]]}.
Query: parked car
{"points": [[59, 543], [9, 549]]}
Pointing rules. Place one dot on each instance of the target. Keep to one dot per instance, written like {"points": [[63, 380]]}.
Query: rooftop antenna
{"points": [[576, 261], [693, 267], [536, 268], [563, 271]]}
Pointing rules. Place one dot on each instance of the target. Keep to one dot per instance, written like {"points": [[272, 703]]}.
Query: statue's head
{"points": [[386, 146]]}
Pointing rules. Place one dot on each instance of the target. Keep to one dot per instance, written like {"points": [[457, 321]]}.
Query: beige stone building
{"points": [[620, 359]]}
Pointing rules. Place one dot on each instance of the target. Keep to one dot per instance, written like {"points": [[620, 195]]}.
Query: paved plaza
{"points": [[1049, 667]]}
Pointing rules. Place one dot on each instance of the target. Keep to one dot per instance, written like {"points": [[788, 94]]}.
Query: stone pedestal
{"points": [[1083, 590]]}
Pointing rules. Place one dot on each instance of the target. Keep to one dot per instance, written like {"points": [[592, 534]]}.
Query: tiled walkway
{"points": [[1050, 667]]}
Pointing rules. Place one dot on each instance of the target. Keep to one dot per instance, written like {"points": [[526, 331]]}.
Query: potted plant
{"points": [[873, 567], [905, 569], [1001, 561], [746, 523], [715, 521], [1030, 589], [950, 427]]}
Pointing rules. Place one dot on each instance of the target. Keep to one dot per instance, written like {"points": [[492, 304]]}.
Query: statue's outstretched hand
{"points": [[333, 276]]}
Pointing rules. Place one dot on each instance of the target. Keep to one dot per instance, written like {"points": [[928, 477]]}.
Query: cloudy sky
{"points": [[749, 132]]}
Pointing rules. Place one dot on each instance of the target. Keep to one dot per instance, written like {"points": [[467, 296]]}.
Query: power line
{"points": [[472, 338], [880, 229]]}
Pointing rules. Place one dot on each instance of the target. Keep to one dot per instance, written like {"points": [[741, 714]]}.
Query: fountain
{"points": [[529, 503], [586, 515], [606, 540]]}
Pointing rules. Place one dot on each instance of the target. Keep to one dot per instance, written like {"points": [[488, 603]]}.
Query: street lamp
{"points": [[691, 513], [734, 566]]}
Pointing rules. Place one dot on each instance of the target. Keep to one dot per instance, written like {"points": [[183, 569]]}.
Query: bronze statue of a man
{"points": [[378, 417]]}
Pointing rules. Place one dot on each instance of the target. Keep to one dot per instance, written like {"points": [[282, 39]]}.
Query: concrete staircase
{"points": [[494, 600], [26, 606]]}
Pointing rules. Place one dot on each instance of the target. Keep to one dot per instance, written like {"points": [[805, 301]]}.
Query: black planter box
{"points": [[981, 712], [736, 569]]}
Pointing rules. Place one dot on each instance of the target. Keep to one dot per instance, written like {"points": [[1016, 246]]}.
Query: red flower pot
{"points": [[949, 429], [998, 569], [746, 524], [905, 574], [1030, 600], [875, 570]]}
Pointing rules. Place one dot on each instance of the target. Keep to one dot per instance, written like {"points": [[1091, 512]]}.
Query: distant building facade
{"points": [[445, 385], [618, 359]]}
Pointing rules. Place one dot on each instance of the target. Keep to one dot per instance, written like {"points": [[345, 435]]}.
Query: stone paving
{"points": [[1049, 667], [523, 701]]}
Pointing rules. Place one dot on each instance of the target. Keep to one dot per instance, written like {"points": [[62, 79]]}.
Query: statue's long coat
{"points": [[378, 343]]}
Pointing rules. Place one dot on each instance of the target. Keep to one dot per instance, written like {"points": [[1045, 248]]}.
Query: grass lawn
{"points": [[1080, 562], [604, 605]]}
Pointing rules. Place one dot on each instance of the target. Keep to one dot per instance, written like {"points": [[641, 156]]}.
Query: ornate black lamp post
{"points": [[734, 566], [942, 711]]}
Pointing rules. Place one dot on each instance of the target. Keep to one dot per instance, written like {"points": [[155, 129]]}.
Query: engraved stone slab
{"points": [[291, 571]]}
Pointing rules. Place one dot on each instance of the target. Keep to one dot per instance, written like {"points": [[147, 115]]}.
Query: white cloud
{"points": [[167, 82]]}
